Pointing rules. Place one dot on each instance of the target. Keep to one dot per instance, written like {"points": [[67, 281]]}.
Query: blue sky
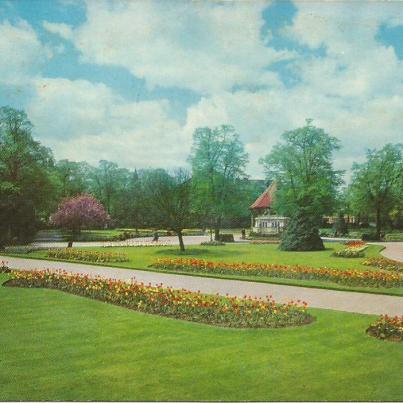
{"points": [[130, 81]]}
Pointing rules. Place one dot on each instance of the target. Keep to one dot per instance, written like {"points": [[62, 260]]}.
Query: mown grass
{"points": [[56, 346], [143, 257]]}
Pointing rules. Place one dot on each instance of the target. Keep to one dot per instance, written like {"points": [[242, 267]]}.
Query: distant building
{"points": [[263, 218]]}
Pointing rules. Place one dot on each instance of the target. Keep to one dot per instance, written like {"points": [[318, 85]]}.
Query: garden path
{"points": [[316, 298]]}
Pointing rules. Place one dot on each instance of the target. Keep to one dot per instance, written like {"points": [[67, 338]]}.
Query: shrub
{"points": [[384, 264], [20, 250], [387, 328], [347, 277], [179, 304], [370, 236], [87, 255], [265, 241], [394, 236], [226, 238], [4, 268], [212, 243]]}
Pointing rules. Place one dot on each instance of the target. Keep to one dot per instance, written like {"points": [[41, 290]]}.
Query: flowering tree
{"points": [[75, 213]]}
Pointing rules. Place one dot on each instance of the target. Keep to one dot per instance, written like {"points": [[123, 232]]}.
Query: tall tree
{"points": [[26, 186], [74, 177], [377, 184], [307, 183], [169, 200], [218, 166], [108, 181]]}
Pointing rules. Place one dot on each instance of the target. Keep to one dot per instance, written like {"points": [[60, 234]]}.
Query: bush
{"points": [[370, 236], [394, 237], [226, 238], [19, 250], [178, 304], [387, 328], [212, 243], [4, 268]]}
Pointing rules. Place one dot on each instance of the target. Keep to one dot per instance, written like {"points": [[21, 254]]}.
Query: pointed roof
{"points": [[265, 200]]}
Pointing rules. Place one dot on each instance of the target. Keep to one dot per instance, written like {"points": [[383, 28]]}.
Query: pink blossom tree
{"points": [[76, 213]]}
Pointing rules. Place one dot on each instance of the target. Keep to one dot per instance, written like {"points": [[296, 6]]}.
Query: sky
{"points": [[130, 81]]}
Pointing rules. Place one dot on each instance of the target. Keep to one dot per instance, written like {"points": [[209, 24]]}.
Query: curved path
{"points": [[316, 298]]}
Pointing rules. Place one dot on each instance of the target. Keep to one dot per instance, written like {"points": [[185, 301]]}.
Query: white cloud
{"points": [[21, 53], [203, 46], [85, 121]]}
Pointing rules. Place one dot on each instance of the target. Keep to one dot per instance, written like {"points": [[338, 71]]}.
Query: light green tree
{"points": [[377, 184], [218, 167], [301, 164]]}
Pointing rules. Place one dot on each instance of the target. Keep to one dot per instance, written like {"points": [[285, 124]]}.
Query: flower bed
{"points": [[87, 255], [384, 264], [265, 242], [347, 277], [352, 249], [179, 304], [387, 328]]}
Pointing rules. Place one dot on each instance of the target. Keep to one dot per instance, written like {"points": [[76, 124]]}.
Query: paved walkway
{"points": [[317, 298]]}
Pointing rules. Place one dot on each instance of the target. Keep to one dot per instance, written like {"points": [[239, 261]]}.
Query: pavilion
{"points": [[264, 221]]}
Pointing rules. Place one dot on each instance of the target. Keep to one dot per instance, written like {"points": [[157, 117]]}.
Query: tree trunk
{"points": [[217, 229], [378, 222], [181, 244]]}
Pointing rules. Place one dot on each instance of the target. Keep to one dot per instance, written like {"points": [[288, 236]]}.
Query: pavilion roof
{"points": [[265, 200]]}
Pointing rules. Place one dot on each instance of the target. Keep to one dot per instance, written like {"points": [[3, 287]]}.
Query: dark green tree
{"points": [[306, 181], [26, 183], [169, 199]]}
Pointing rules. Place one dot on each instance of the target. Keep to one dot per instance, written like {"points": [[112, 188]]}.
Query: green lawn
{"points": [[142, 257], [56, 346]]}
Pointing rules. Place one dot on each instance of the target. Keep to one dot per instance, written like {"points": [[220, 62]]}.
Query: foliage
{"points": [[302, 167], [377, 184], [302, 233], [218, 167], [25, 178], [347, 277], [384, 264], [370, 236], [4, 268], [340, 226], [394, 237], [213, 243], [387, 328], [79, 212], [226, 238], [178, 304], [169, 199], [306, 181], [86, 255]]}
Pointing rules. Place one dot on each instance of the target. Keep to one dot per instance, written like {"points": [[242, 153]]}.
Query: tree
{"points": [[74, 177], [169, 200], [218, 166], [307, 183], [377, 184], [108, 182], [26, 185], [79, 212]]}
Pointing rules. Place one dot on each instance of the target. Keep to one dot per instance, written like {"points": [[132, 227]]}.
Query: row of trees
{"points": [[215, 193], [33, 183]]}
